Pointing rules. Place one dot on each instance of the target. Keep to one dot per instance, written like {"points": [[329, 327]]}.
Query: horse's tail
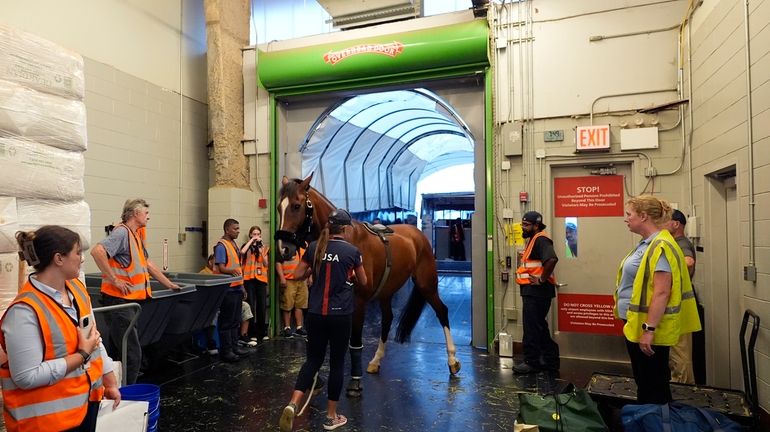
{"points": [[410, 315]]}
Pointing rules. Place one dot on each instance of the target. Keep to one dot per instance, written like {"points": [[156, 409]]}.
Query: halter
{"points": [[299, 238]]}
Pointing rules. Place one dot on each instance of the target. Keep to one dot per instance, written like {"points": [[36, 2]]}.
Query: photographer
{"points": [[254, 259]]}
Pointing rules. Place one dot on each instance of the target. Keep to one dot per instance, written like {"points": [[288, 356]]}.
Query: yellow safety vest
{"points": [[681, 314]]}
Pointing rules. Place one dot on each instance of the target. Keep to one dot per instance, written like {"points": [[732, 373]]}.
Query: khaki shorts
{"points": [[294, 295], [246, 312]]}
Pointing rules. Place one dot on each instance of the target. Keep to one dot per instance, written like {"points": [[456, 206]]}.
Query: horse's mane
{"points": [[291, 188]]}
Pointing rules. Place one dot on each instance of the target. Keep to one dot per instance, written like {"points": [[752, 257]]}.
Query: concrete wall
{"points": [[721, 141], [145, 139]]}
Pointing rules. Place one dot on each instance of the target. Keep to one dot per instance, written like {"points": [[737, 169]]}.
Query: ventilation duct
{"points": [[361, 13]]}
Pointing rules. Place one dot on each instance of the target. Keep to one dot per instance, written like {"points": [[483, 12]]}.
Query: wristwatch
{"points": [[86, 356], [648, 328]]}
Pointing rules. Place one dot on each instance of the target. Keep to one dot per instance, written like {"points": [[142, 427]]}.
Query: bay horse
{"points": [[303, 212]]}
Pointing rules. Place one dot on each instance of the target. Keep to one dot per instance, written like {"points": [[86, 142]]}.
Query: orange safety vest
{"points": [[531, 267], [63, 404], [135, 274], [141, 232], [254, 267], [233, 261], [289, 266]]}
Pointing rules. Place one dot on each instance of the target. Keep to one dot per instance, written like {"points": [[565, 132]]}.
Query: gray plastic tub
{"points": [[156, 311]]}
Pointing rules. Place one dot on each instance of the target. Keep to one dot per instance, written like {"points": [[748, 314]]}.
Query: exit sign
{"points": [[592, 138]]}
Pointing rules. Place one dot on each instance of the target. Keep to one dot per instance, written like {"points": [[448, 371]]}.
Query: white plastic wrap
{"points": [[73, 215], [41, 117], [9, 279], [40, 64], [33, 170], [9, 224]]}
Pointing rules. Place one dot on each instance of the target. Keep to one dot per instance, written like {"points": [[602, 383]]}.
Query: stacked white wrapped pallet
{"points": [[42, 140]]}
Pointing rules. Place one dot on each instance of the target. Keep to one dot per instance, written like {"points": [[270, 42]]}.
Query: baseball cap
{"points": [[340, 217], [534, 217], [679, 217]]}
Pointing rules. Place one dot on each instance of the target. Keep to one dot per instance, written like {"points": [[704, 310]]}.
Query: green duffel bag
{"points": [[573, 411]]}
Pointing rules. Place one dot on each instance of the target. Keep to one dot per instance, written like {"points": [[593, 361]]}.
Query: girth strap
{"points": [[383, 235]]}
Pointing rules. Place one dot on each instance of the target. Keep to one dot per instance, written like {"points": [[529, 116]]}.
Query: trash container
{"points": [[196, 311], [156, 311]]}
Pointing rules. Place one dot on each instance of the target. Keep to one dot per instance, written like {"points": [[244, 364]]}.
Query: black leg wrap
{"points": [[356, 369]]}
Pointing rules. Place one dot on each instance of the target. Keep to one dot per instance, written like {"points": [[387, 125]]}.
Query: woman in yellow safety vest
{"points": [[57, 370], [654, 298]]}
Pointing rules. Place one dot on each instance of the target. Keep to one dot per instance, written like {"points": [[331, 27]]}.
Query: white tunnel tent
{"points": [[368, 152]]}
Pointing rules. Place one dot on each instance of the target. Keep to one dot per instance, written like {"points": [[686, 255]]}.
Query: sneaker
{"points": [[246, 342], [242, 352], [212, 351], [286, 332], [254, 339], [332, 423], [286, 423], [524, 368], [300, 332], [229, 357], [265, 338]]}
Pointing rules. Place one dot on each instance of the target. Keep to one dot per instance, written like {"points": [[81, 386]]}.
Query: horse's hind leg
{"points": [[386, 310], [427, 282]]}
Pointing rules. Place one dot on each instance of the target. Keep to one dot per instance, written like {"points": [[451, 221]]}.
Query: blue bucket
{"points": [[149, 393]]}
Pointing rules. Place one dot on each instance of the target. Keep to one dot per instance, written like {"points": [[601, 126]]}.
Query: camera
{"points": [[256, 245]]}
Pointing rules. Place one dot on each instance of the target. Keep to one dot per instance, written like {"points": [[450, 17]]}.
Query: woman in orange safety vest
{"points": [[254, 261], [57, 370]]}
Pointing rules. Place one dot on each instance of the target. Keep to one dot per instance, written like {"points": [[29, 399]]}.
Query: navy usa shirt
{"points": [[332, 290]]}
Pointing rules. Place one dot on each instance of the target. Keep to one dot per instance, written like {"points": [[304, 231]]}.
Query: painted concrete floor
{"points": [[413, 392]]}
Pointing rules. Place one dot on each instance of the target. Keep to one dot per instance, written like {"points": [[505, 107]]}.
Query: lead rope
{"points": [[310, 394]]}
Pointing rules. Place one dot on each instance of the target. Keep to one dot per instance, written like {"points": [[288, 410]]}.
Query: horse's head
{"points": [[295, 217]]}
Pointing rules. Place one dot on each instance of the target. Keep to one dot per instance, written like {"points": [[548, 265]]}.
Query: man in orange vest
{"points": [[538, 287], [227, 260], [126, 270]]}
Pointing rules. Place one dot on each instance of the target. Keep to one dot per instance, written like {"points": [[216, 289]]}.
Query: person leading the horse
{"points": [[336, 266]]}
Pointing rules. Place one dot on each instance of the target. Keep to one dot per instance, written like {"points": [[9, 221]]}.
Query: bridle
{"points": [[300, 237]]}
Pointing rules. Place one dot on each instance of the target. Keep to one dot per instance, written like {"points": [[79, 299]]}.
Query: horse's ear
{"points": [[306, 183], [284, 180]]}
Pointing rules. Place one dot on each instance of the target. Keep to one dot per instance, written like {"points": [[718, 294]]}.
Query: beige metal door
{"points": [[602, 242]]}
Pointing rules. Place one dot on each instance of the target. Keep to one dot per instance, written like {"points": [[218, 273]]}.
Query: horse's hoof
{"points": [[455, 368], [355, 388], [373, 369]]}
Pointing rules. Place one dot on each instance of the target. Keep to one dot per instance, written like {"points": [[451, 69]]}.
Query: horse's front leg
{"points": [[387, 319], [356, 347]]}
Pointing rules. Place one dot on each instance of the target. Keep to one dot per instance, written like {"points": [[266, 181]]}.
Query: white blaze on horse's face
{"points": [[282, 206]]}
